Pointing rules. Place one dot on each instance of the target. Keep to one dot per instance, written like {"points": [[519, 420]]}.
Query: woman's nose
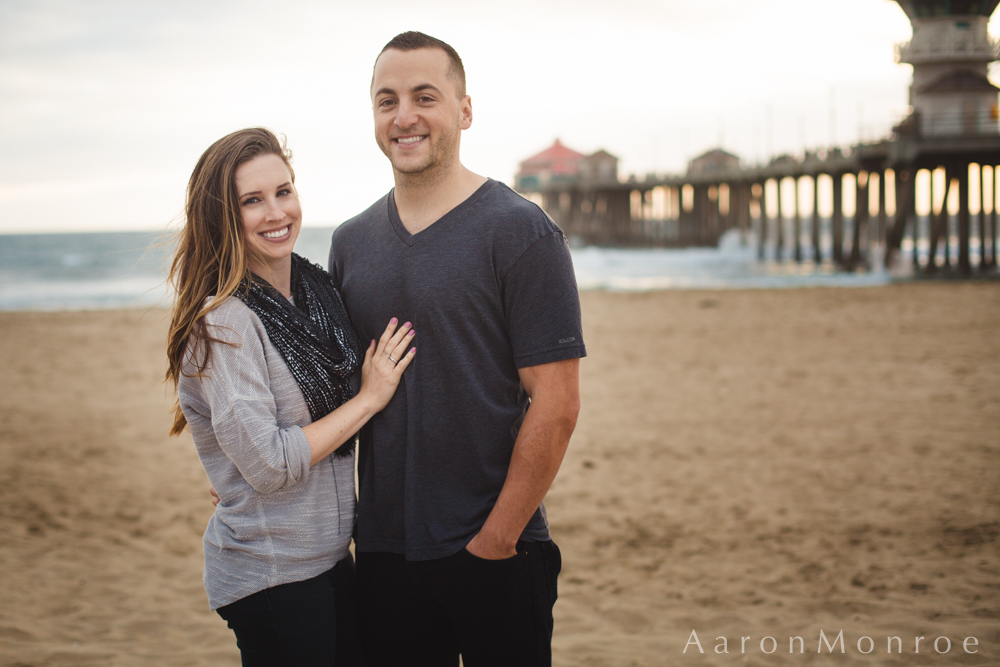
{"points": [[274, 211]]}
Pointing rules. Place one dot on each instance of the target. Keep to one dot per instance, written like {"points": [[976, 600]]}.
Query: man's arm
{"points": [[541, 443]]}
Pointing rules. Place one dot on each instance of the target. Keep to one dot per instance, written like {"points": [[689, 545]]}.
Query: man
{"points": [[453, 548]]}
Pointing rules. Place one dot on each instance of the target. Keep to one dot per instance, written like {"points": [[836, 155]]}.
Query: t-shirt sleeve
{"points": [[542, 304], [333, 267]]}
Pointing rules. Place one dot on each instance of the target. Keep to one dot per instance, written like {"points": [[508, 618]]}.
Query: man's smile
{"points": [[409, 140]]}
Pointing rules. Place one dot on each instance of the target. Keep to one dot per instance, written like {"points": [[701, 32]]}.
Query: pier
{"points": [[949, 141]]}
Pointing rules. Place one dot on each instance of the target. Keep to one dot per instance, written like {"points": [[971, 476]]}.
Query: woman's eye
{"points": [[284, 192], [250, 201]]}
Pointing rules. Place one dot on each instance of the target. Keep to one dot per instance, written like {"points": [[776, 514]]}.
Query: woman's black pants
{"points": [[304, 623]]}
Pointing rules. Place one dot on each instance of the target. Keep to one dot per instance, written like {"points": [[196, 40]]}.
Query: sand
{"points": [[747, 464]]}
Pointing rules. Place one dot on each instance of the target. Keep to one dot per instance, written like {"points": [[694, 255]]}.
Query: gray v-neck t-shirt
{"points": [[489, 289]]}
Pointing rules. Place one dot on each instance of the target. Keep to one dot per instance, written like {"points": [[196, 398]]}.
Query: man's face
{"points": [[418, 113]]}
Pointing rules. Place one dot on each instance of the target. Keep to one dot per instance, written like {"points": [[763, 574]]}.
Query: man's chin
{"points": [[410, 167]]}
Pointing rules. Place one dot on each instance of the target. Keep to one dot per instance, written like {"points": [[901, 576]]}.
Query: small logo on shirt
{"points": [[567, 340]]}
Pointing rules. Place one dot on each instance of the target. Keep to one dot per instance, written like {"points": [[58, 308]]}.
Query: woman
{"points": [[262, 353]]}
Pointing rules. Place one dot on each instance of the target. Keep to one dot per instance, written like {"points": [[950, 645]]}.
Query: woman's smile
{"points": [[278, 234]]}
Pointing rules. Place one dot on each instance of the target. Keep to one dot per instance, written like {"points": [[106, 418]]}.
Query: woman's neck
{"points": [[278, 273]]}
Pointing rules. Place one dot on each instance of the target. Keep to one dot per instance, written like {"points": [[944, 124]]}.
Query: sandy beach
{"points": [[756, 464]]}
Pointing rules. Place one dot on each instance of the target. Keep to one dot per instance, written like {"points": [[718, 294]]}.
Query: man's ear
{"points": [[466, 112]]}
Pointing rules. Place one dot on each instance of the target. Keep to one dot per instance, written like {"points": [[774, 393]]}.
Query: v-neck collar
{"points": [[444, 221]]}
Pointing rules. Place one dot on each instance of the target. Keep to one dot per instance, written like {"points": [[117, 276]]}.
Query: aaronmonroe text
{"points": [[836, 644]]}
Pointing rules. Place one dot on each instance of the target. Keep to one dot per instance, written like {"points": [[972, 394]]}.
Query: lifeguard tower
{"points": [[950, 52]]}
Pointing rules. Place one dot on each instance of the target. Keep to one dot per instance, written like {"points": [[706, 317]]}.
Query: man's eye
{"points": [[385, 103]]}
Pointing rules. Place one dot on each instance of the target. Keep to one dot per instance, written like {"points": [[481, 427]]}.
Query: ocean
{"points": [[89, 271]]}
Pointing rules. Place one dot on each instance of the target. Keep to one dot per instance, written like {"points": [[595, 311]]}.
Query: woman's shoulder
{"points": [[226, 307], [232, 314], [228, 327]]}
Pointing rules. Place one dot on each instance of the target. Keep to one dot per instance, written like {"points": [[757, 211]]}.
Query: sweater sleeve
{"points": [[243, 411]]}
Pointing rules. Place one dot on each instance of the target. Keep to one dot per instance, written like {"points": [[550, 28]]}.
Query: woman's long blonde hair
{"points": [[212, 256]]}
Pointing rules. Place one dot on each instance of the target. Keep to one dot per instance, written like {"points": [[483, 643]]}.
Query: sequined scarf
{"points": [[314, 336]]}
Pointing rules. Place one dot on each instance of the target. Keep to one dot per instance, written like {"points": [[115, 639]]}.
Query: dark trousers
{"points": [[426, 613], [301, 624]]}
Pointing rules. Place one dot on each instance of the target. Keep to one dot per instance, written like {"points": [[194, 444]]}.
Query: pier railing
{"points": [[696, 209], [933, 51], [974, 122]]}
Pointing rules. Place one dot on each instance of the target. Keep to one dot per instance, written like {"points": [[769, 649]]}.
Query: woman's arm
{"points": [[379, 378], [237, 397]]}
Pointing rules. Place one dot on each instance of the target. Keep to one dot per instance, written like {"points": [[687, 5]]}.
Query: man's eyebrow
{"points": [[426, 86], [416, 89]]}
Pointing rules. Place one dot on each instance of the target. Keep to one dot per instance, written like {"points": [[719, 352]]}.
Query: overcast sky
{"points": [[105, 105]]}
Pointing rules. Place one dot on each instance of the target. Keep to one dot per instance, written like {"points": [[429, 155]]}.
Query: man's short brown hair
{"points": [[413, 40]]}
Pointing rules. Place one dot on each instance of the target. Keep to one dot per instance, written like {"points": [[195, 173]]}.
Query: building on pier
{"points": [[952, 130], [599, 168], [556, 165], [715, 160], [559, 165], [950, 52]]}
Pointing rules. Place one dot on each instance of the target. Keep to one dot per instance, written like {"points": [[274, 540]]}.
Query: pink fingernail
{"points": [[393, 321], [411, 333], [407, 324], [412, 350]]}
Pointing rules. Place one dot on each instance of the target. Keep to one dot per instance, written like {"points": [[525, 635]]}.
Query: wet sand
{"points": [[747, 464]]}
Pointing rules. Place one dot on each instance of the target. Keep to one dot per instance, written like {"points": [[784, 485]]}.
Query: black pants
{"points": [[426, 613], [301, 624]]}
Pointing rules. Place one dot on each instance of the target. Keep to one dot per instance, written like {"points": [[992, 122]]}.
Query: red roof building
{"points": [[560, 164], [555, 164]]}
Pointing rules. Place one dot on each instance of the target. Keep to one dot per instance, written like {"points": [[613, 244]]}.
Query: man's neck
{"points": [[423, 199]]}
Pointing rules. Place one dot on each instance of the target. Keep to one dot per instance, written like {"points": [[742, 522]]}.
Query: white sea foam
{"points": [[733, 265], [99, 271]]}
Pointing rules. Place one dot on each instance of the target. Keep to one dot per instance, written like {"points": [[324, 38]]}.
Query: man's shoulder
{"points": [[511, 207], [514, 223], [377, 211]]}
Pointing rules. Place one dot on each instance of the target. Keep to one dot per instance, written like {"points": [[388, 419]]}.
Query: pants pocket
{"points": [[488, 562]]}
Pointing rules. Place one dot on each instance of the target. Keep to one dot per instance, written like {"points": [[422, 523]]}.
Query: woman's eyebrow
{"points": [[257, 192]]}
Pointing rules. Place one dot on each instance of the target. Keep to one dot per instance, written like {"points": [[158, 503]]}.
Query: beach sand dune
{"points": [[747, 464]]}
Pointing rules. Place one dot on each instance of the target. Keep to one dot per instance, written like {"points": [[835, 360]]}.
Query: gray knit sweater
{"points": [[279, 520]]}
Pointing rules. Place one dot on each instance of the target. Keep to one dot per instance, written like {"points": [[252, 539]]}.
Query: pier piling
{"points": [[964, 223], [817, 251], [837, 222], [983, 262], [993, 222], [762, 222], [797, 222], [860, 212], [881, 231]]}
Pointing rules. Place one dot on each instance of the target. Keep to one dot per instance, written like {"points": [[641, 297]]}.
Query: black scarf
{"points": [[314, 336]]}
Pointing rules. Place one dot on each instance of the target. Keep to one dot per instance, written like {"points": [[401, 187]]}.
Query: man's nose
{"points": [[406, 115]]}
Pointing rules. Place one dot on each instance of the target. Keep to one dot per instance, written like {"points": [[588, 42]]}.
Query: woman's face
{"points": [[270, 209]]}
